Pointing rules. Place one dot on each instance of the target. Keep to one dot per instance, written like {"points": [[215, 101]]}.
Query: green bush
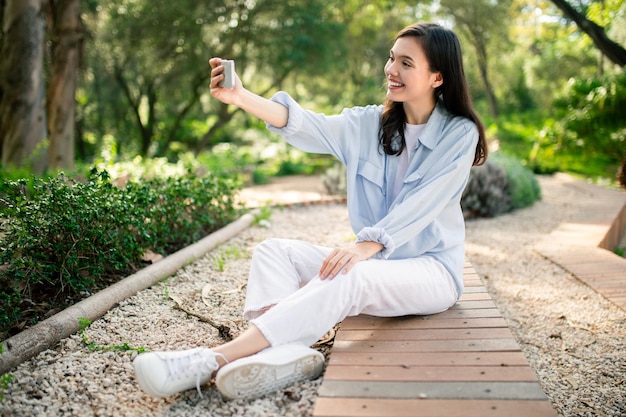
{"points": [[179, 211], [334, 179], [62, 238], [589, 125], [523, 187], [487, 192], [499, 186]]}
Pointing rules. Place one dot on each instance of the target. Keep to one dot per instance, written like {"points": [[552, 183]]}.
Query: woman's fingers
{"points": [[337, 260], [217, 72], [332, 264], [225, 95], [328, 264]]}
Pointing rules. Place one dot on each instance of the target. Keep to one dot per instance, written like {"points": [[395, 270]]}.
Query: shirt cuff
{"points": [[295, 115], [378, 235]]}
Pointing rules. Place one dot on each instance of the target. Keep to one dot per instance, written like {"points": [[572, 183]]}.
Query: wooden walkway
{"points": [[584, 245], [462, 362]]}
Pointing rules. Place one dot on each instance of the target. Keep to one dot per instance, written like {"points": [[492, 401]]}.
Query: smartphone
{"points": [[229, 74]]}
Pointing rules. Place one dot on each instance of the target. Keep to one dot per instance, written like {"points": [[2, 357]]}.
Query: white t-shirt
{"points": [[411, 135]]}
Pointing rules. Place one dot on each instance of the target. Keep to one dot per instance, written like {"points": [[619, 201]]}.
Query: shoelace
{"points": [[196, 363]]}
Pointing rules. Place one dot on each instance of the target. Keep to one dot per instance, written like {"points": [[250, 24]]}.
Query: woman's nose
{"points": [[390, 69]]}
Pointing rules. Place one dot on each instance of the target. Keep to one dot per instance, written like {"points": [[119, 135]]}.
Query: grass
{"points": [[225, 254], [124, 347]]}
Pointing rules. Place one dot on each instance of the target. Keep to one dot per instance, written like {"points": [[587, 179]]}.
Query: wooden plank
{"points": [[599, 276], [473, 304], [456, 312], [366, 407], [434, 390], [607, 282], [475, 296], [425, 334], [477, 288], [430, 373], [340, 358], [488, 345], [365, 321], [426, 322]]}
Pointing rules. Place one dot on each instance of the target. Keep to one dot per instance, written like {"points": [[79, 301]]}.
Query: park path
{"points": [[574, 339]]}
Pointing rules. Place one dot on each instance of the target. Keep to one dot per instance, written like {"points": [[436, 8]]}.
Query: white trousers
{"points": [[284, 276]]}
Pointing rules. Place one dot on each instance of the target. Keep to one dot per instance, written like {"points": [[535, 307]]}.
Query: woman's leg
{"points": [[279, 268], [284, 276], [247, 343], [377, 287]]}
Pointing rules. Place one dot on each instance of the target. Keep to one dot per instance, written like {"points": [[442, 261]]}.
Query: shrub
{"points": [[499, 186], [61, 238], [179, 211], [334, 179], [523, 186], [589, 125], [487, 192]]}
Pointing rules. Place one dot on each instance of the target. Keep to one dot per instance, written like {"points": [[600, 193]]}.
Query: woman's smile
{"points": [[392, 84]]}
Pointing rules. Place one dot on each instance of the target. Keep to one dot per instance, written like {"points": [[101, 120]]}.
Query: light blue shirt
{"points": [[425, 218]]}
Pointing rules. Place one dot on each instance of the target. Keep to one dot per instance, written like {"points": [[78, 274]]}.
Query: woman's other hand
{"points": [[343, 259]]}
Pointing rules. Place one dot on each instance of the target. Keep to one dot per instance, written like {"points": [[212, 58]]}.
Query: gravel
{"points": [[574, 339]]}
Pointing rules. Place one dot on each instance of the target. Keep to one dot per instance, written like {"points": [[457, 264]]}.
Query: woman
{"points": [[407, 164]]}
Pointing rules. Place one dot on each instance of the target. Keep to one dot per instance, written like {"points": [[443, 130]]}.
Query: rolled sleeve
{"points": [[295, 118], [378, 235]]}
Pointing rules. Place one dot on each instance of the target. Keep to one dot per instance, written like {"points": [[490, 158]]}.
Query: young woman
{"points": [[407, 165]]}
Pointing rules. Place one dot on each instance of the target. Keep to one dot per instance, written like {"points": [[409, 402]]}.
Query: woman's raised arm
{"points": [[270, 112]]}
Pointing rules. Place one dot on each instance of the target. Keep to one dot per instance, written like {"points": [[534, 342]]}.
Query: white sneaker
{"points": [[269, 370], [161, 374]]}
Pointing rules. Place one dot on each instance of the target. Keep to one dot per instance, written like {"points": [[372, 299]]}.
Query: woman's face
{"points": [[409, 78]]}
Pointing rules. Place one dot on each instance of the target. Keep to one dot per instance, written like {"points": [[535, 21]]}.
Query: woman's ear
{"points": [[437, 80]]}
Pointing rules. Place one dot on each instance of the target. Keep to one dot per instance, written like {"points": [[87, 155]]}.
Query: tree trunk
{"points": [[146, 128], [2, 6], [22, 104], [612, 50], [66, 37], [481, 57], [621, 173], [194, 96]]}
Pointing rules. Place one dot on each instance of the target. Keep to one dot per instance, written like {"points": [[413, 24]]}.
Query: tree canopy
{"points": [[132, 75]]}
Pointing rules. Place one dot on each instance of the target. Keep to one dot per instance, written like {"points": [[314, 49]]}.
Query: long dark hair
{"points": [[443, 52]]}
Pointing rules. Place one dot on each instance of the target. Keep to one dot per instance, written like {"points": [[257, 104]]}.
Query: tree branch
{"points": [[612, 50]]}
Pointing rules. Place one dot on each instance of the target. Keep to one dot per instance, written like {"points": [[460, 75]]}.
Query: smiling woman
{"points": [[404, 207], [437, 60], [410, 80]]}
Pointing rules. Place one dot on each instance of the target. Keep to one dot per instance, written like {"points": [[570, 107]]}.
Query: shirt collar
{"points": [[430, 136]]}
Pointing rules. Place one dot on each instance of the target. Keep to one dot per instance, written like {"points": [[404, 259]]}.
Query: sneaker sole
{"points": [[141, 367], [255, 378]]}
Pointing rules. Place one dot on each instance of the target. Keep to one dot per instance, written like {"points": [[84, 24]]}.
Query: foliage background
{"points": [[144, 86]]}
